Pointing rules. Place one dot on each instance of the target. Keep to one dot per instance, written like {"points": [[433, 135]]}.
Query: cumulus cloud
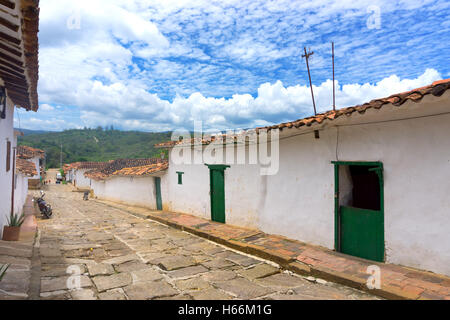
{"points": [[158, 65]]}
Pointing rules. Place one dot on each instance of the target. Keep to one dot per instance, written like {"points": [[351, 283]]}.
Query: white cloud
{"points": [[134, 108], [158, 65]]}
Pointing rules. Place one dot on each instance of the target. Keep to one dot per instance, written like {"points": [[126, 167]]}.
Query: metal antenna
{"points": [[334, 95], [307, 55]]}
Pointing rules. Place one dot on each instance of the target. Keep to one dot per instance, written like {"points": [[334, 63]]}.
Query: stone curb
{"points": [[285, 261]]}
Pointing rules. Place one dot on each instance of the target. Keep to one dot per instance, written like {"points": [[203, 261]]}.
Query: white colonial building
{"points": [[370, 181], [18, 86]]}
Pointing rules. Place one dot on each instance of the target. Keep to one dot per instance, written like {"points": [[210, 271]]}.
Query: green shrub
{"points": [[3, 268], [16, 220]]}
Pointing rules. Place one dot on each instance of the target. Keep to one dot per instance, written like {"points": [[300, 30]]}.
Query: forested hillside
{"points": [[95, 144]]}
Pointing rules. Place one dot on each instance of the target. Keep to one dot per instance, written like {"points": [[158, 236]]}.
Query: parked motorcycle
{"points": [[44, 207]]}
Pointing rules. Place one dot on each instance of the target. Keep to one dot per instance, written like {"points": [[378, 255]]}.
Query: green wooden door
{"points": [[217, 192], [158, 193], [362, 233]]}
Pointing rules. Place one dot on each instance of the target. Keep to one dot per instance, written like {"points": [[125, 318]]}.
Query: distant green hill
{"points": [[95, 144]]}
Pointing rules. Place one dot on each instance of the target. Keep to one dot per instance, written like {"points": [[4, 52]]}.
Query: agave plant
{"points": [[16, 220], [3, 268]]}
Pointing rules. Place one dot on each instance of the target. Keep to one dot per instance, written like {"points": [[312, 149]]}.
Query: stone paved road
{"points": [[121, 256]]}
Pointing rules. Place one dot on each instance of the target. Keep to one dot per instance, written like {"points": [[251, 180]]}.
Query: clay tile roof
{"points": [[19, 20], [437, 88], [116, 165], [142, 170], [26, 167], [26, 152], [91, 165]]}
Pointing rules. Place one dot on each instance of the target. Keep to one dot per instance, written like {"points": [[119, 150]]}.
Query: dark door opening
{"points": [[359, 209]]}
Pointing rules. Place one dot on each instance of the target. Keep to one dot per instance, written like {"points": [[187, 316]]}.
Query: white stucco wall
{"points": [[35, 160], [21, 191], [298, 202], [137, 190], [6, 134], [80, 180], [242, 192]]}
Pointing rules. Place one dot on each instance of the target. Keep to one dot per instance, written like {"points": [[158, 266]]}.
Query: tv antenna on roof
{"points": [[332, 58], [307, 55]]}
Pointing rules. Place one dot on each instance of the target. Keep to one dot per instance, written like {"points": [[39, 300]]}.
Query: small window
{"points": [[180, 177], [8, 156]]}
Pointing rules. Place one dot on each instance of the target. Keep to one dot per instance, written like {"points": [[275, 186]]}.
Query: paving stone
{"points": [[242, 260], [60, 283], [100, 269], [243, 288], [186, 272], [113, 294], [155, 257], [15, 282], [210, 294], [130, 266], [56, 295], [147, 274], [281, 280], [259, 271], [50, 252], [68, 247], [218, 263], [219, 275], [117, 280], [56, 270], [175, 262], [122, 259], [14, 250], [83, 294], [17, 263], [192, 284], [99, 237], [178, 297], [149, 290]]}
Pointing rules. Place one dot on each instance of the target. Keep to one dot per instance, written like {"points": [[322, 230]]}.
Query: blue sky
{"points": [[160, 65]]}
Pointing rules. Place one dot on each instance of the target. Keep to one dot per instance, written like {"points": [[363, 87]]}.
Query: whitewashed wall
{"points": [[137, 190], [6, 134], [298, 202], [80, 180], [21, 192], [35, 160]]}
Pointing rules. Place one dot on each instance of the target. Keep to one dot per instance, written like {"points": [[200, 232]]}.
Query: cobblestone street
{"points": [[121, 256]]}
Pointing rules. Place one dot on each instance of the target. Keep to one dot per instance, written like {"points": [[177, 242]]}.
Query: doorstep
{"points": [[397, 282]]}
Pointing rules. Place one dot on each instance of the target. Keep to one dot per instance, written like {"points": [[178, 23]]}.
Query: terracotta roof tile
{"points": [[116, 165], [142, 170], [26, 167], [26, 152]]}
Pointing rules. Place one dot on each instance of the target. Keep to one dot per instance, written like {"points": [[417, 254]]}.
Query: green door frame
{"points": [[217, 209], [337, 222], [158, 193]]}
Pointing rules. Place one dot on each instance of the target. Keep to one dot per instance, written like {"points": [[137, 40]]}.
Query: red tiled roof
{"points": [[19, 43], [142, 170], [26, 152], [89, 165], [437, 88], [26, 167], [116, 165]]}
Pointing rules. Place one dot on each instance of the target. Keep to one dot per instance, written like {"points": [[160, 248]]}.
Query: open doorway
{"points": [[359, 209]]}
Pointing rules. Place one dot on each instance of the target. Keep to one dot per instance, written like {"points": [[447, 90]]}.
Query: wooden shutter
{"points": [[8, 156]]}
